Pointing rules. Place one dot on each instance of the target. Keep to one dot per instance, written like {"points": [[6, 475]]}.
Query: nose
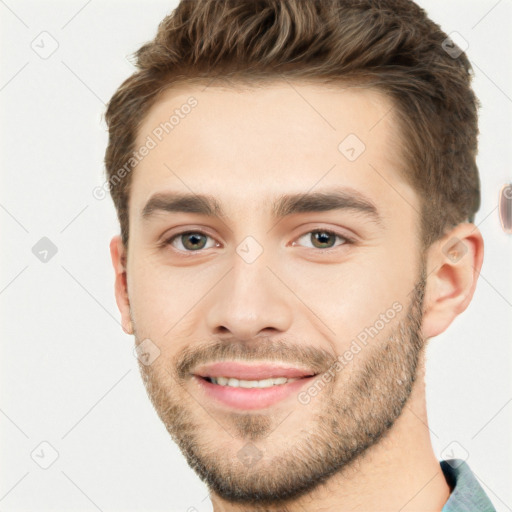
{"points": [[250, 301]]}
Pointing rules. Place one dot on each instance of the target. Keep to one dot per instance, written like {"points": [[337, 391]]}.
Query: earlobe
{"points": [[453, 267], [118, 255]]}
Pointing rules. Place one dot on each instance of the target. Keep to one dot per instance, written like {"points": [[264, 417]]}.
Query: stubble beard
{"points": [[348, 421]]}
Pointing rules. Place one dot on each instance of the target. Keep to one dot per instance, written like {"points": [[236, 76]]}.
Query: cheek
{"points": [[353, 296], [163, 298]]}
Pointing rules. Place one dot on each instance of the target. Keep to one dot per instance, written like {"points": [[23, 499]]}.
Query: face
{"points": [[302, 262]]}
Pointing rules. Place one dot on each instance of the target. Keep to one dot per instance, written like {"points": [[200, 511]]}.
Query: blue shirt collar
{"points": [[467, 494]]}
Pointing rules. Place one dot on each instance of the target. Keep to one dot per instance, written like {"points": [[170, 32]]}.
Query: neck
{"points": [[401, 472]]}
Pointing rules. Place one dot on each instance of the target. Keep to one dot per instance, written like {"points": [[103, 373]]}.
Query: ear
{"points": [[453, 266], [118, 254]]}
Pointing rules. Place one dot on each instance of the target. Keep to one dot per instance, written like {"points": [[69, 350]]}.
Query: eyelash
{"points": [[347, 240]]}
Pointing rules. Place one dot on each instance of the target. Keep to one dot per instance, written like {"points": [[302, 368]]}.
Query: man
{"points": [[296, 186]]}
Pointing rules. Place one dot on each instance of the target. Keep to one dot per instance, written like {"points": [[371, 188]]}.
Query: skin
{"points": [[362, 443]]}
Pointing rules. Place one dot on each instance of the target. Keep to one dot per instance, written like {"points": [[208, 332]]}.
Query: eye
{"points": [[324, 239], [190, 241], [195, 241]]}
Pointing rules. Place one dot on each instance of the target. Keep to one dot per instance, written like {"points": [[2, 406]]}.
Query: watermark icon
{"points": [[454, 249], [455, 45], [351, 147], [454, 454], [249, 455], [44, 250], [151, 142], [249, 249], [44, 455], [304, 397], [45, 45], [146, 352]]}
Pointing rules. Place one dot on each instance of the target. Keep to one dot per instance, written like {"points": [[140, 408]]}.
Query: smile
{"points": [[249, 394], [239, 383]]}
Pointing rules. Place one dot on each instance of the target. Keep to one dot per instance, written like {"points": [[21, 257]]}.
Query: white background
{"points": [[68, 374]]}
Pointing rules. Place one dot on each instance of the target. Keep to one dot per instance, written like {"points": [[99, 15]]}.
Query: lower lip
{"points": [[251, 398]]}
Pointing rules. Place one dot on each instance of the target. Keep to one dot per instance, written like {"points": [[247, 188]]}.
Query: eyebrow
{"points": [[283, 206]]}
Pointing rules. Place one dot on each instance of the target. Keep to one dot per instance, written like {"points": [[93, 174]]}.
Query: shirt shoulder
{"points": [[467, 494]]}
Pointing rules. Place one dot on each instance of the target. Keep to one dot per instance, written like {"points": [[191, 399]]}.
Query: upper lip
{"points": [[259, 371]]}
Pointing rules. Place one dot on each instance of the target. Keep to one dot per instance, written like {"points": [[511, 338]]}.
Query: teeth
{"points": [[239, 383]]}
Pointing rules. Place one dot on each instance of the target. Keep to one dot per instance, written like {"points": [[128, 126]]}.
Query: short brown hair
{"points": [[389, 44]]}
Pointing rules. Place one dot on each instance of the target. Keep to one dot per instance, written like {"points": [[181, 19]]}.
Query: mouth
{"points": [[242, 386], [249, 384]]}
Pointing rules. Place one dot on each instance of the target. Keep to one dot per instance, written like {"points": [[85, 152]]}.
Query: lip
{"points": [[259, 371], [250, 398]]}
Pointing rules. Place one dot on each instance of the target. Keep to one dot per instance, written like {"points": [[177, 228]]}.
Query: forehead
{"points": [[246, 144]]}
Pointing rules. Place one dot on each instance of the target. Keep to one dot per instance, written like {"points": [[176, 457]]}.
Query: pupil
{"points": [[194, 237], [322, 237]]}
